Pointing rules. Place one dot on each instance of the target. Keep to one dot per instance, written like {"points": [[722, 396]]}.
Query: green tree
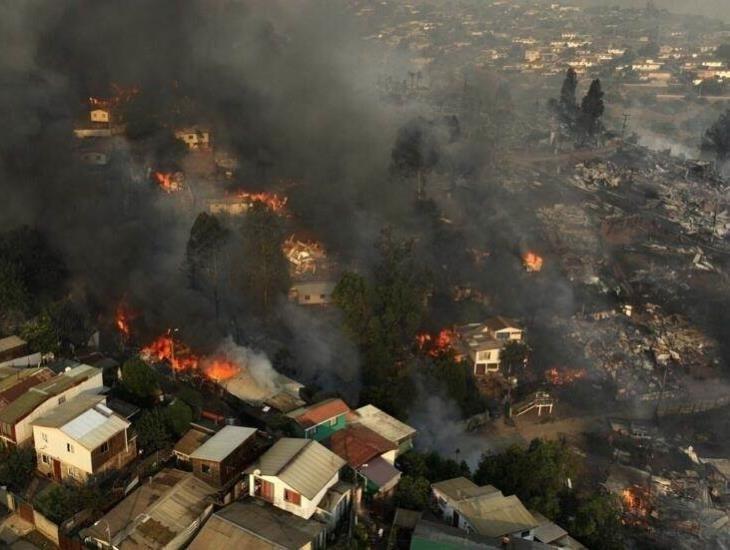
{"points": [[432, 466], [13, 293], [456, 378], [41, 334], [60, 502], [352, 296], [139, 380], [716, 140], [179, 417], [537, 475], [591, 111], [567, 107], [595, 519], [202, 256], [16, 468], [263, 267], [412, 493], [193, 398], [152, 430]]}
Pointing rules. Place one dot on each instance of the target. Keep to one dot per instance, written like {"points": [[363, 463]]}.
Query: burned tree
{"points": [[591, 111], [566, 107], [415, 153], [716, 140]]}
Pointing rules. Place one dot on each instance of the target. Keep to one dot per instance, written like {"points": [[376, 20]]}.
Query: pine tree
{"points": [[567, 106], [591, 111]]}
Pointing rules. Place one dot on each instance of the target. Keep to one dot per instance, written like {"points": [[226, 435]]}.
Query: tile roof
{"points": [[304, 465], [358, 444], [319, 412], [223, 443]]}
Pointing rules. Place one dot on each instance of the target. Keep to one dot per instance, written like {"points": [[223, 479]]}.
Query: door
{"points": [[455, 519], [56, 470], [267, 490]]}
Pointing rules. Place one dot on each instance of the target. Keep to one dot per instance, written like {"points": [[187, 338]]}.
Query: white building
{"points": [[194, 137], [80, 438], [16, 418], [482, 343], [296, 475]]}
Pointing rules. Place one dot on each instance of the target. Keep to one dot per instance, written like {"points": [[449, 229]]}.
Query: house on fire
{"points": [[16, 418], [81, 438], [482, 343], [302, 477], [195, 137]]}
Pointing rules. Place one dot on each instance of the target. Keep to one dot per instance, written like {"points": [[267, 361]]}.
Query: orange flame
{"points": [[169, 182], [181, 358], [273, 201], [121, 95], [438, 345], [532, 262], [564, 377]]}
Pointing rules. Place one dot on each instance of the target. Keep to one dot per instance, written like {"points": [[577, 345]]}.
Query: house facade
{"points": [[16, 419], [194, 137], [482, 343], [222, 458], [81, 438], [295, 475]]}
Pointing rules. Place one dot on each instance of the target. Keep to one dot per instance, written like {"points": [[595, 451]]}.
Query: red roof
{"points": [[358, 445], [319, 412]]}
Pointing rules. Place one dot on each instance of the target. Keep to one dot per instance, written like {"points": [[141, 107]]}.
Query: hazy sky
{"points": [[711, 8]]}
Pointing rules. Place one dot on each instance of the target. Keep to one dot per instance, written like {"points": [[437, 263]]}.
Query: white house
{"points": [[482, 343], [194, 137], [80, 438], [483, 510], [295, 475], [16, 418]]}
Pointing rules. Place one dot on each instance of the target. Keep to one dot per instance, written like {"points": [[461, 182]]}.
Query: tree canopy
{"points": [[591, 111], [139, 380], [716, 140]]}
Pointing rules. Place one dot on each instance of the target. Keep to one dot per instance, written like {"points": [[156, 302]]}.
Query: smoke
{"points": [[256, 363], [441, 429]]}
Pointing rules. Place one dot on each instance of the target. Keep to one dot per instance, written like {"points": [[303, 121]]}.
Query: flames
{"points": [[182, 359], [563, 377], [532, 262], [169, 182], [273, 201], [120, 95], [636, 505], [438, 344], [123, 319]]}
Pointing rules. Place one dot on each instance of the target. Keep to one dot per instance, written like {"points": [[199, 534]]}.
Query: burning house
{"points": [[312, 272], [195, 137], [481, 343]]}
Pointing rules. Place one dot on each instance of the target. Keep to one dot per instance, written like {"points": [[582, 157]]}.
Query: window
{"points": [[61, 399], [293, 497], [333, 421], [502, 336], [306, 297], [205, 468], [69, 448], [322, 296], [45, 437], [104, 447], [45, 459]]}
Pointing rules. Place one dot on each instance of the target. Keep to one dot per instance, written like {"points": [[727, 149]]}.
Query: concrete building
{"points": [[82, 437], [16, 418]]}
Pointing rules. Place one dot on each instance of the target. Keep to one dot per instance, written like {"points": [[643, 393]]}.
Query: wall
{"points": [[325, 430], [307, 507], [117, 445], [24, 428], [56, 447]]}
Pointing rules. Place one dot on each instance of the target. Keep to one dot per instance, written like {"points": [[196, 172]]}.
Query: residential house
{"points": [[190, 442], [321, 420], [429, 535], [386, 426], [17, 417], [483, 510], [312, 293], [14, 352], [194, 137], [257, 525], [82, 437], [15, 381], [221, 459], [162, 513], [482, 343], [370, 455], [296, 475]]}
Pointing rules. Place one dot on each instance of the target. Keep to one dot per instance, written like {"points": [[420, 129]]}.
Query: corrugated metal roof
{"points": [[10, 342], [223, 443], [496, 515], [304, 465], [313, 415], [383, 424], [192, 439]]}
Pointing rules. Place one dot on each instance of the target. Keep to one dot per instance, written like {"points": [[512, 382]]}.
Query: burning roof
{"points": [[532, 262], [305, 257]]}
